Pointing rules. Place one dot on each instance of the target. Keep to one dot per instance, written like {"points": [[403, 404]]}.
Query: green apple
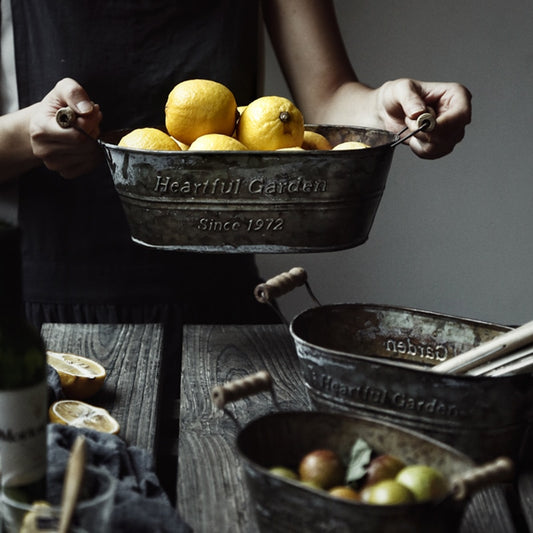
{"points": [[387, 492], [425, 482], [283, 471]]}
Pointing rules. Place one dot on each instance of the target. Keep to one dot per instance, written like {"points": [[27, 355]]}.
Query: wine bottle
{"points": [[23, 385]]}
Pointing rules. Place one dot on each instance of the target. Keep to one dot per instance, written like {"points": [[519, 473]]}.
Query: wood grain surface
{"points": [[131, 355], [212, 494], [211, 489]]}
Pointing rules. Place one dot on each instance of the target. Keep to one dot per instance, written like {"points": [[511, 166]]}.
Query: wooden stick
{"points": [[523, 366], [514, 359], [488, 351], [72, 483]]}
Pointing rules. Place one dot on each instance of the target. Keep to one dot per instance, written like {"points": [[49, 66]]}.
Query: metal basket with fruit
{"points": [[256, 178]]}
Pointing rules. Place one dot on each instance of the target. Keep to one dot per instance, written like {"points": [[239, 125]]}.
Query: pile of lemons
{"points": [[203, 115]]}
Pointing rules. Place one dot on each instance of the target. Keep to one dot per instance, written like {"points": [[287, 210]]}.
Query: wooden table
{"points": [[132, 357], [212, 494], [210, 491]]}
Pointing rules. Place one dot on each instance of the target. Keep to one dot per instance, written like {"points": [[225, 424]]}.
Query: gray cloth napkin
{"points": [[141, 504]]}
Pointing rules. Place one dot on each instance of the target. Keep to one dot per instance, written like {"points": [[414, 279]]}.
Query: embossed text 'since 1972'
{"points": [[234, 225]]}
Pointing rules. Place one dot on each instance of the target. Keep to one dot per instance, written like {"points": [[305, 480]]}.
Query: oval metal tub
{"points": [[261, 202], [374, 360], [286, 506]]}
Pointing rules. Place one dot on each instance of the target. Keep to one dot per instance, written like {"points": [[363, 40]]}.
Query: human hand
{"points": [[402, 101], [66, 150]]}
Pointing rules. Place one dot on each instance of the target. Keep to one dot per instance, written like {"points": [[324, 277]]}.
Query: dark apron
{"points": [[79, 263]]}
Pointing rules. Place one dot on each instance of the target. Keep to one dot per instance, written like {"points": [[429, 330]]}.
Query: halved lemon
{"points": [[83, 415], [80, 377]]}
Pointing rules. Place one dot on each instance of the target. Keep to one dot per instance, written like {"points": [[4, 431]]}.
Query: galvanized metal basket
{"points": [[283, 505], [261, 202], [375, 360]]}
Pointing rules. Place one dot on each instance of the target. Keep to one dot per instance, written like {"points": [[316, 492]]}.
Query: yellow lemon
{"points": [[82, 415], [291, 149], [351, 145], [269, 123], [80, 377], [197, 107], [184, 147], [216, 141], [39, 514], [148, 139], [240, 111], [315, 141]]}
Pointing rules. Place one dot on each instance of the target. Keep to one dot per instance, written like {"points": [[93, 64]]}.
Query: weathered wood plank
{"points": [[525, 487], [131, 354], [211, 488], [489, 512], [212, 495]]}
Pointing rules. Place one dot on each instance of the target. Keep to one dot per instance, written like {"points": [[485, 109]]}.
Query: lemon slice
{"points": [[39, 519], [80, 377], [83, 415]]}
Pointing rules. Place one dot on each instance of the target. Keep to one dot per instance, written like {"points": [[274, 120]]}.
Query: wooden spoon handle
{"points": [[488, 351]]}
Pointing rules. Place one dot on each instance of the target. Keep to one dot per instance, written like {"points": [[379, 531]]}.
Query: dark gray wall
{"points": [[452, 235]]}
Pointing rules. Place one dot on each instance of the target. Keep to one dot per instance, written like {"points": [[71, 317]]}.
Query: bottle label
{"points": [[23, 419]]}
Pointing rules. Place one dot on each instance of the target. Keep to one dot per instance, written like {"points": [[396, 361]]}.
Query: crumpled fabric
{"points": [[141, 505]]}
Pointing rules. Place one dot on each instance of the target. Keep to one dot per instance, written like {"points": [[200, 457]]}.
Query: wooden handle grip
{"points": [[240, 388], [499, 470], [280, 284], [427, 120], [65, 117]]}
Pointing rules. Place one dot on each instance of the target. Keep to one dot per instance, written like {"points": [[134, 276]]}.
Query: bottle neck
{"points": [[10, 271]]}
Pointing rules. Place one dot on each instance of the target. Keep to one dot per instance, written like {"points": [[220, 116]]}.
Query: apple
{"points": [[382, 467], [322, 467], [387, 492], [425, 482], [283, 471], [346, 492]]}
